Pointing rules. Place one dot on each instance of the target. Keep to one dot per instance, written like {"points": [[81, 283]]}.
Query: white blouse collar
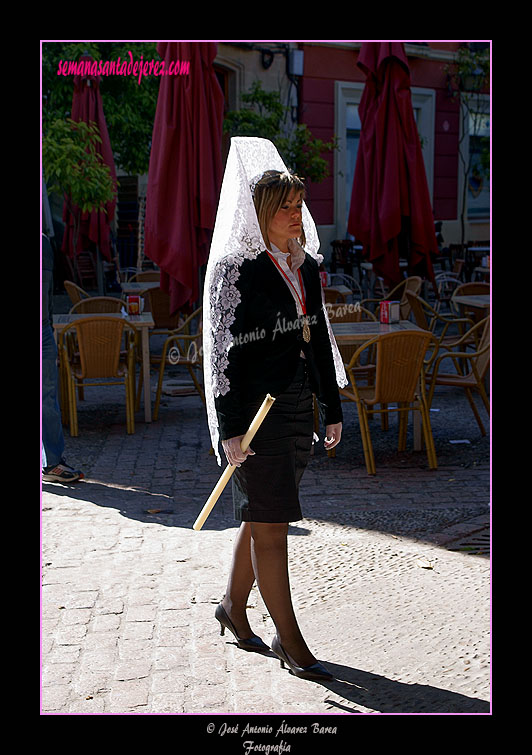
{"points": [[276, 251]]}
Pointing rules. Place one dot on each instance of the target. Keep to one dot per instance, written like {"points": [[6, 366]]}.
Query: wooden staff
{"points": [[226, 476]]}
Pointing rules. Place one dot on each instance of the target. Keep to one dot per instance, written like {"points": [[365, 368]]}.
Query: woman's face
{"points": [[286, 223]]}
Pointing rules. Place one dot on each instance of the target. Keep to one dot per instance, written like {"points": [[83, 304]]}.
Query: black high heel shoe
{"points": [[315, 671], [253, 644]]}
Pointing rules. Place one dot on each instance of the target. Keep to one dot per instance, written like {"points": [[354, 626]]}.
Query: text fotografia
{"points": [[250, 746], [123, 67]]}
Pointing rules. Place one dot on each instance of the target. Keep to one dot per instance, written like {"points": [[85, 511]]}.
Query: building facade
{"points": [[322, 85]]}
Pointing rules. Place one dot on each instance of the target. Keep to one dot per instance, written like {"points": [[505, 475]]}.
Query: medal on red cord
{"points": [[302, 301]]}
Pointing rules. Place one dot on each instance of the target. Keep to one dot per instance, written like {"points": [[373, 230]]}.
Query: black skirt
{"points": [[266, 486]]}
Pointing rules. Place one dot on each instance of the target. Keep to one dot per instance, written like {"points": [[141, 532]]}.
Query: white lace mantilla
{"points": [[237, 237]]}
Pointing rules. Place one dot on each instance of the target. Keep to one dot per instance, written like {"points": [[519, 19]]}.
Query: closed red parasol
{"points": [[185, 168], [390, 213], [95, 226]]}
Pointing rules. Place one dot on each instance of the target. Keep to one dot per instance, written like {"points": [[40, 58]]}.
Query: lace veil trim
{"points": [[237, 237]]}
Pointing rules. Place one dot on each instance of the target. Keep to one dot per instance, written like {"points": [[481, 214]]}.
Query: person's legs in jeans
{"points": [[52, 429]]}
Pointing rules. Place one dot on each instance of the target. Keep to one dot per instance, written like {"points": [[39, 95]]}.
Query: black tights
{"points": [[261, 553]]}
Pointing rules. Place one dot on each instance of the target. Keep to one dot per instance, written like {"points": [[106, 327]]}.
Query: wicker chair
{"points": [[429, 319], [159, 306], [468, 378], [412, 284], [445, 285], [469, 289], [472, 289], [350, 313], [332, 295], [458, 267], [399, 378], [99, 344], [75, 292], [446, 282], [96, 305], [180, 348], [346, 280]]}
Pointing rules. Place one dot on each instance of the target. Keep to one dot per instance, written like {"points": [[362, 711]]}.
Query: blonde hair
{"points": [[270, 193]]}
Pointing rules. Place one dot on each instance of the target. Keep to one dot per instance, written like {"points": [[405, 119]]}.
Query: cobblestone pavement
{"points": [[390, 574]]}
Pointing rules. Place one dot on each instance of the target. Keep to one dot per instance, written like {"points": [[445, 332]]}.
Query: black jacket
{"points": [[268, 340]]}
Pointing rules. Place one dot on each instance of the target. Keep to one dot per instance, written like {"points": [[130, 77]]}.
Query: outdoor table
{"points": [[138, 287], [143, 323], [360, 332], [476, 301]]}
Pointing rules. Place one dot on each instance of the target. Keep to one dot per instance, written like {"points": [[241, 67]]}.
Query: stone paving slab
{"points": [[129, 589], [128, 620]]}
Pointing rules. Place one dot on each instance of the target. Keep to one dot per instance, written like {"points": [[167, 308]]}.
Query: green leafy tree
{"points": [[75, 169], [129, 105], [264, 115]]}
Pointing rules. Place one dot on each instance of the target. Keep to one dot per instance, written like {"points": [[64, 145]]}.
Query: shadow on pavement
{"points": [[378, 693], [144, 505], [374, 692], [149, 506]]}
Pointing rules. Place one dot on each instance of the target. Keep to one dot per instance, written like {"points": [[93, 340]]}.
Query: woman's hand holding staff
{"points": [[234, 452], [226, 476]]}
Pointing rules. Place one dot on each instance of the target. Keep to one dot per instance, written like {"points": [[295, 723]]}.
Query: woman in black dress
{"points": [[281, 344]]}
